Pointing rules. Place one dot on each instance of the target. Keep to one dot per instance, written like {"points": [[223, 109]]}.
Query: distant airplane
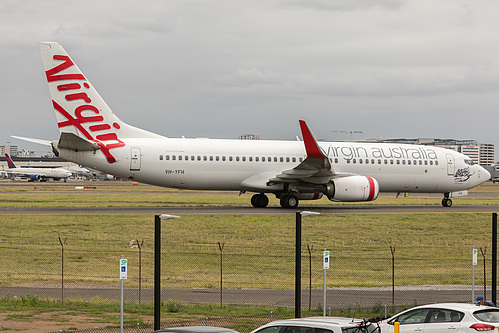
{"points": [[92, 135], [41, 174]]}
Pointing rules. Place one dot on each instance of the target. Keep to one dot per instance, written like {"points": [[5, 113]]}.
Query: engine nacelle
{"points": [[352, 188], [32, 178]]}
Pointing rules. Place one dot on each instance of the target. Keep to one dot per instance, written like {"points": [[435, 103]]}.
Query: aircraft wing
{"points": [[315, 169]]}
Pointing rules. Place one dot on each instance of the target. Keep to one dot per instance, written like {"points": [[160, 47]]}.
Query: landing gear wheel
{"points": [[259, 200], [289, 201], [446, 202]]}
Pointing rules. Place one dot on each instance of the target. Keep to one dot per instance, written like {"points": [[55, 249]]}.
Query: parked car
{"points": [[196, 329], [444, 317], [318, 325]]}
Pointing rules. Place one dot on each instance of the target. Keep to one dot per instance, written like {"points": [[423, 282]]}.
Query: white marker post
{"points": [[326, 266], [475, 262], [123, 273]]}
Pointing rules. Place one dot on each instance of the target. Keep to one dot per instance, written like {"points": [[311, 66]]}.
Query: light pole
{"points": [[157, 266], [298, 261]]}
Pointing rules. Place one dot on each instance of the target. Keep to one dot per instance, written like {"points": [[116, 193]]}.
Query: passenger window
{"points": [[223, 158], [445, 316], [230, 158], [250, 158], [173, 157], [354, 161], [294, 159], [199, 158], [237, 158], [192, 158], [336, 160], [160, 157], [205, 158], [244, 158], [167, 157], [436, 162], [281, 159], [391, 161], [360, 161], [409, 162], [211, 158], [180, 157], [301, 159], [287, 159], [398, 161], [257, 159]]}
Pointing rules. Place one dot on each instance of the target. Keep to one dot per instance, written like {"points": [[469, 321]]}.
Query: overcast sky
{"points": [[387, 68]]}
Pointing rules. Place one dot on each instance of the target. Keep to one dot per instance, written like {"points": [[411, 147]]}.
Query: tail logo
{"points": [[10, 163], [93, 125]]}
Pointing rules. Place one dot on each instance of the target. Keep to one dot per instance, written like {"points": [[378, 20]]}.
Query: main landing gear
{"points": [[289, 201], [259, 200], [446, 201]]}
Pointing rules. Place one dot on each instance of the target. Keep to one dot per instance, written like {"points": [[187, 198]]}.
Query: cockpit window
{"points": [[469, 162]]}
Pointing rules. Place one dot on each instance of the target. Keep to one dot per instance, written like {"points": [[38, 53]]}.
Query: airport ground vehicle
{"points": [[318, 325], [445, 317], [196, 329]]}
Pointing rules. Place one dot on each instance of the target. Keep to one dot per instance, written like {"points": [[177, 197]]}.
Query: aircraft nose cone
{"points": [[485, 174]]}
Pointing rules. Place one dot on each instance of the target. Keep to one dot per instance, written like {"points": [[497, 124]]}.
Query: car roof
{"points": [[455, 306], [318, 321], [197, 329]]}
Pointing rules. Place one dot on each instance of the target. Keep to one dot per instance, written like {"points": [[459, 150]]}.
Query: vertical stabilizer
{"points": [[10, 163], [79, 109]]}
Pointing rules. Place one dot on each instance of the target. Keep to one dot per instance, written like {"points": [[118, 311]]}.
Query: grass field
{"points": [[258, 252], [430, 248]]}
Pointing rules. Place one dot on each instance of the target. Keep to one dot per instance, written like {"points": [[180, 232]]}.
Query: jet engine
{"points": [[352, 188], [32, 178]]}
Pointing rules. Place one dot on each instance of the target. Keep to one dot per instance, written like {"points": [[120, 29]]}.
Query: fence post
{"points": [[310, 276], [484, 252], [221, 247], [62, 266], [392, 249]]}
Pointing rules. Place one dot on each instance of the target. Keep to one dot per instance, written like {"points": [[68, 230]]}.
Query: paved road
{"points": [[336, 298]]}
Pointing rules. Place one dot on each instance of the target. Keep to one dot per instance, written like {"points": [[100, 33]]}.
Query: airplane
{"points": [[41, 174], [93, 136]]}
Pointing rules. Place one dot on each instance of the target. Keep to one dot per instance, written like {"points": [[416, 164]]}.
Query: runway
{"points": [[247, 210]]}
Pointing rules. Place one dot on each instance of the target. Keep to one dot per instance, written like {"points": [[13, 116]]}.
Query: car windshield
{"points": [[488, 316]]}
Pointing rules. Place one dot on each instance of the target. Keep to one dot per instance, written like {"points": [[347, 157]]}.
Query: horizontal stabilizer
{"points": [[39, 141], [74, 142]]}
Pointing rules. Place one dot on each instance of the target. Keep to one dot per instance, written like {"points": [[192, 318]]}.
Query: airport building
{"points": [[8, 149]]}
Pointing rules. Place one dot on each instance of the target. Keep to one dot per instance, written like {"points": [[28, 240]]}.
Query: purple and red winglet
{"points": [[311, 146]]}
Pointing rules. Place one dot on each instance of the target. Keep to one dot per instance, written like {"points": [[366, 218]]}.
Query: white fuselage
{"points": [[212, 164], [56, 173]]}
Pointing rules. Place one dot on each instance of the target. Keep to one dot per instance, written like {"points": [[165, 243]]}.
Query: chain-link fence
{"points": [[236, 270], [87, 265]]}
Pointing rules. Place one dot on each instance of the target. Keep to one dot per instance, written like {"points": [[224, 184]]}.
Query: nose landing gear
{"points": [[446, 201]]}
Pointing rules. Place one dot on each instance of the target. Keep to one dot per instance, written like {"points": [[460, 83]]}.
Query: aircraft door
{"points": [[450, 165], [135, 159]]}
